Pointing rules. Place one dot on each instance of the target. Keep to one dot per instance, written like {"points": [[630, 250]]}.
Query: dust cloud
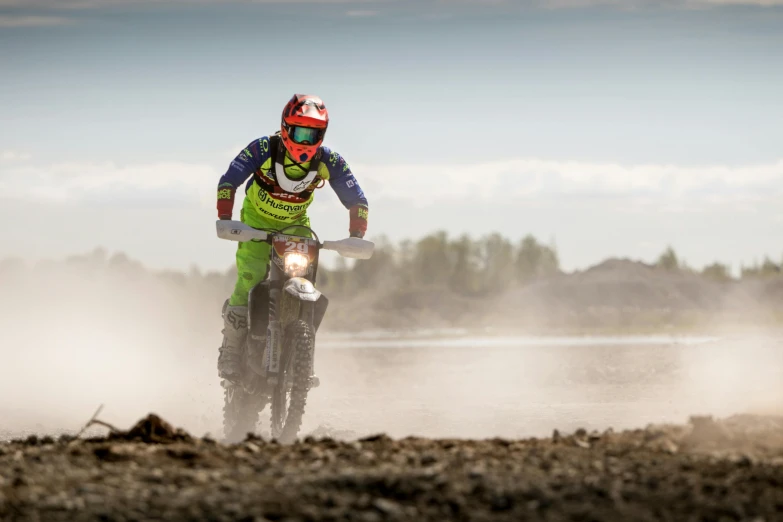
{"points": [[91, 331], [517, 387]]}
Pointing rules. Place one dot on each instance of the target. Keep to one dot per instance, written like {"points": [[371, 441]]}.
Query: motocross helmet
{"points": [[303, 126]]}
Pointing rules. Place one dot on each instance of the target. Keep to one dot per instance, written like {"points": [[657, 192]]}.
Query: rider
{"points": [[284, 169]]}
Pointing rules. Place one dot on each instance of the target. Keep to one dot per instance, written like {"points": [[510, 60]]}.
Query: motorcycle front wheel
{"points": [[240, 413], [290, 394]]}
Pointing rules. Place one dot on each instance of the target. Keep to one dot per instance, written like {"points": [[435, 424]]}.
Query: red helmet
{"points": [[305, 119]]}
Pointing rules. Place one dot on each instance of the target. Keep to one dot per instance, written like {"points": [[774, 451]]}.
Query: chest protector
{"points": [[277, 196], [294, 186]]}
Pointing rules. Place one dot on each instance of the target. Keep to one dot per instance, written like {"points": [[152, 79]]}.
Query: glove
{"points": [[358, 220], [225, 202]]}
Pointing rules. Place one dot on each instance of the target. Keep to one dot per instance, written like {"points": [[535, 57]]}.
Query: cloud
{"points": [[594, 209], [14, 155], [107, 182], [33, 21], [669, 187], [528, 178]]}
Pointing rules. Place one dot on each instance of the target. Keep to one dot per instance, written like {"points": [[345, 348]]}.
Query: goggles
{"points": [[305, 135]]}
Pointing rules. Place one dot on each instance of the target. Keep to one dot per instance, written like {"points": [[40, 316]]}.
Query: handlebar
{"points": [[352, 247]]}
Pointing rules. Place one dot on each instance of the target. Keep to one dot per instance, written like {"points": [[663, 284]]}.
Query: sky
{"points": [[609, 128]]}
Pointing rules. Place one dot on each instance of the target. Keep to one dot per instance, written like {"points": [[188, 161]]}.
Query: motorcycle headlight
{"points": [[296, 264]]}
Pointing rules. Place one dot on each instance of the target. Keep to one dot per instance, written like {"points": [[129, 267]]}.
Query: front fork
{"points": [[275, 304]]}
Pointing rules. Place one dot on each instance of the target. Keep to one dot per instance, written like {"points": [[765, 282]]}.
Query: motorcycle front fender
{"points": [[302, 289]]}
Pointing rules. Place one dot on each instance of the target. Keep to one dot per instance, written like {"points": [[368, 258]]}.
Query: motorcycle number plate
{"points": [[299, 245]]}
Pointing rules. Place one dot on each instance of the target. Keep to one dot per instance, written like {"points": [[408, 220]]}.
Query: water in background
{"points": [[433, 385]]}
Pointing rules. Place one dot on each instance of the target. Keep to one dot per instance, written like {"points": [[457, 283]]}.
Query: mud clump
{"points": [[730, 469], [152, 429]]}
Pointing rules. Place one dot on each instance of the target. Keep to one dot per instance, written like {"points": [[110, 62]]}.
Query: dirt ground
{"points": [[708, 470]]}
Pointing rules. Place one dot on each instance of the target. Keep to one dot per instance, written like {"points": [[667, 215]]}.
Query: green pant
{"points": [[253, 256]]}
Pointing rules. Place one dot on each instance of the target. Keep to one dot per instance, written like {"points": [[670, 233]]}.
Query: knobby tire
{"points": [[299, 340], [240, 414]]}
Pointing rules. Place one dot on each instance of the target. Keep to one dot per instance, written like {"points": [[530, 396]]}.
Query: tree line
{"points": [[477, 267], [467, 266], [471, 267], [669, 260]]}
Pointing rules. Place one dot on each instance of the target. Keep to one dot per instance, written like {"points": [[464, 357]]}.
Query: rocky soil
{"points": [[708, 470]]}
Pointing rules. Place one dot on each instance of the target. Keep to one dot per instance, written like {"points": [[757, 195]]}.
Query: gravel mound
{"points": [[707, 470]]}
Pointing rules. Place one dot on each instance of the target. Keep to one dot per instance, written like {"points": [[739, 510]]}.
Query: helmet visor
{"points": [[305, 135]]}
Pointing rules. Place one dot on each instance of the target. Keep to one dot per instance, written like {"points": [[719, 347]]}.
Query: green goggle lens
{"points": [[305, 135]]}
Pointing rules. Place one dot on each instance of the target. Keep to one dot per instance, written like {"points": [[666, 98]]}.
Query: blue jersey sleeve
{"points": [[242, 167], [248, 161], [342, 180]]}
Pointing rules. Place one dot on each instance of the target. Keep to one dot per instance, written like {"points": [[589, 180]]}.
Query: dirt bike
{"points": [[284, 313]]}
